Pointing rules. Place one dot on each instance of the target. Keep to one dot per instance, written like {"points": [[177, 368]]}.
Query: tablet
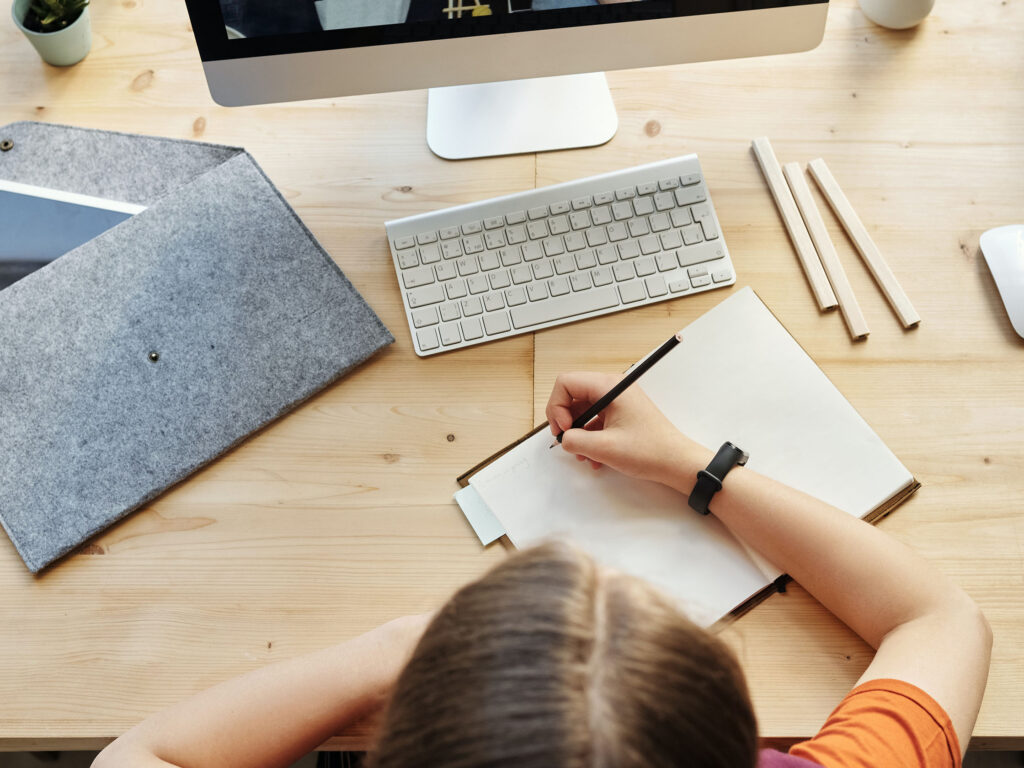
{"points": [[40, 225]]}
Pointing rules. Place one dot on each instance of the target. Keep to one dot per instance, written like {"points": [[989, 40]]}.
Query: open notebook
{"points": [[737, 375]]}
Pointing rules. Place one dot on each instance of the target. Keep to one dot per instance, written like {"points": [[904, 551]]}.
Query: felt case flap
{"points": [[248, 317]]}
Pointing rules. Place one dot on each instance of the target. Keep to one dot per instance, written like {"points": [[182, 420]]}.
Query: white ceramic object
{"points": [[896, 14], [61, 48]]}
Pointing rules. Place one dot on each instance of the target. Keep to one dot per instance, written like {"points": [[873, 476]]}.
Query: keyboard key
{"points": [[532, 252], [407, 259], [489, 260], [471, 228], [424, 317], [558, 286], [650, 244], [601, 276], [510, 257], [566, 306], [425, 296], [697, 271], [643, 206], [497, 323], [671, 240], [579, 220], [626, 193], [586, 260], [456, 289], [425, 238], [494, 240], [499, 279], [607, 255], [629, 249], [622, 211], [543, 269], [660, 222], [692, 234], [601, 216], [691, 195], [427, 339], [517, 217], [467, 266], [645, 266], [472, 328], [515, 296], [450, 334], [565, 264], [664, 201], [666, 262], [681, 217], [521, 274], [452, 249], [472, 306], [646, 189], [631, 292], [667, 185], [430, 254], [414, 278], [656, 286], [553, 246], [401, 243], [473, 244], [477, 284], [617, 232], [537, 229], [536, 292], [690, 178], [721, 275], [574, 241], [596, 237], [623, 271], [559, 225], [582, 202], [709, 227], [450, 232], [450, 312], [700, 282], [538, 212], [493, 301], [678, 286], [638, 227], [701, 211], [696, 254], [557, 208], [579, 281], [445, 270], [494, 222], [603, 198]]}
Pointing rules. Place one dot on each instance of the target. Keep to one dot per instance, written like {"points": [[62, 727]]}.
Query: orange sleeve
{"points": [[884, 723]]}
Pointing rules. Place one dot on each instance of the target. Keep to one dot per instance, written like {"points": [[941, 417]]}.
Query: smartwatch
{"points": [[709, 481]]}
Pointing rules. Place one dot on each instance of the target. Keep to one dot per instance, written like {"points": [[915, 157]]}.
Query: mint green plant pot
{"points": [[61, 48]]}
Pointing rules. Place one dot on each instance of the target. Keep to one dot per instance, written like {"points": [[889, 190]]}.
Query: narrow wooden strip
{"points": [[852, 315], [794, 224], [868, 250]]}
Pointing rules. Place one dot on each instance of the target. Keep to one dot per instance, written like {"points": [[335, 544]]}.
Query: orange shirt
{"points": [[884, 724]]}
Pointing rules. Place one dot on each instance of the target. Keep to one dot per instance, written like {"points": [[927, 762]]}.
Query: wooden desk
{"points": [[340, 516]]}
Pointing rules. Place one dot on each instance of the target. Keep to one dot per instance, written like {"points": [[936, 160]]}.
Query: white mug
{"points": [[896, 14]]}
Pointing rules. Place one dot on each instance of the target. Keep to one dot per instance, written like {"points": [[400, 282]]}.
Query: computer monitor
{"points": [[510, 65]]}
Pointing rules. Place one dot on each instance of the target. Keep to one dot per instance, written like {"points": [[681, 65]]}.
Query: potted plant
{"points": [[59, 29]]}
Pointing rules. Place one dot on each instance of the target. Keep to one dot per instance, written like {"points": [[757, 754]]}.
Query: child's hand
{"points": [[631, 435]]}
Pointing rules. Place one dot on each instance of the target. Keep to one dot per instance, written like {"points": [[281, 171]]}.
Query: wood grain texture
{"points": [[339, 517]]}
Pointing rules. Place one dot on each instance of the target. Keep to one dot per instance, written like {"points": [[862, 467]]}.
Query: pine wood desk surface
{"points": [[340, 516]]}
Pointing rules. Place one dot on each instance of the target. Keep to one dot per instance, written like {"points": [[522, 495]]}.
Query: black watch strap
{"points": [[709, 481]]}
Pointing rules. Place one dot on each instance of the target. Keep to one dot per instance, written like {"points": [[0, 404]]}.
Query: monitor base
{"points": [[517, 116]]}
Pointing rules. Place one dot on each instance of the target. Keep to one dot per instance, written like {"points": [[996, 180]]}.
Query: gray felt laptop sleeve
{"points": [[247, 314]]}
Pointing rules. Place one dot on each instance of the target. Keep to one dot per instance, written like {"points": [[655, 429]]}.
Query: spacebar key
{"points": [[563, 307]]}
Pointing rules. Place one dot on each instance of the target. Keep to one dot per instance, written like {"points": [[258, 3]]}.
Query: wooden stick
{"points": [[868, 250], [794, 224], [854, 318]]}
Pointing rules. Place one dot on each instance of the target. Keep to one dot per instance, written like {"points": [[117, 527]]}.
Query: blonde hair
{"points": [[549, 661]]}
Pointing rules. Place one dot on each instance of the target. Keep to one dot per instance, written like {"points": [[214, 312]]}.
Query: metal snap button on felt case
{"points": [[154, 356], [6, 145]]}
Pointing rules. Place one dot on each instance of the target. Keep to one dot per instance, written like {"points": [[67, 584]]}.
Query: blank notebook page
{"points": [[737, 375]]}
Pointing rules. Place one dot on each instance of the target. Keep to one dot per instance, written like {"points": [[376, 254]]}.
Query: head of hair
{"points": [[549, 660]]}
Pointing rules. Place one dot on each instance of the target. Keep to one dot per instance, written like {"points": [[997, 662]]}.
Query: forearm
{"points": [[272, 716]]}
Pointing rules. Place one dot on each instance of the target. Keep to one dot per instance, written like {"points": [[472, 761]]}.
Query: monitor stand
{"points": [[517, 116]]}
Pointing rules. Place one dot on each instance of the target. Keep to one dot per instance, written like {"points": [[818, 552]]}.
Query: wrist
{"points": [[686, 460]]}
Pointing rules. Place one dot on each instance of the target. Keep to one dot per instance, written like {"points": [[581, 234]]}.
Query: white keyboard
{"points": [[550, 256]]}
